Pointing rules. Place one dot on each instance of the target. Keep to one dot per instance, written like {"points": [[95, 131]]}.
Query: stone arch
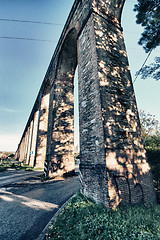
{"points": [[67, 59], [62, 140]]}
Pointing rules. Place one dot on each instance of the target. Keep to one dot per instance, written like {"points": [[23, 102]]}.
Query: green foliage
{"points": [[151, 137], [84, 220], [148, 15], [5, 164], [148, 123], [152, 142], [153, 70], [2, 169], [9, 163], [154, 161], [150, 130]]}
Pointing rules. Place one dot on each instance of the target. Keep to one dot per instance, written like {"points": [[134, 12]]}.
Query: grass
{"points": [[84, 220], [7, 164]]}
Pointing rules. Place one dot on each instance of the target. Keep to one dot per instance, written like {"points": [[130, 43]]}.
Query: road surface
{"points": [[25, 209], [12, 176]]}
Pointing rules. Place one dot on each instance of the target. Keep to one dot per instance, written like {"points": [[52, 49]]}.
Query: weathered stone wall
{"points": [[92, 153], [125, 155], [113, 167]]}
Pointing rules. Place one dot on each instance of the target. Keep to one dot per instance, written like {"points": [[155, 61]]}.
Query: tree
{"points": [[153, 70], [148, 15], [150, 130]]}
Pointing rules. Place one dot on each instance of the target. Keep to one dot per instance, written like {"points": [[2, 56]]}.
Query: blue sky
{"points": [[23, 63]]}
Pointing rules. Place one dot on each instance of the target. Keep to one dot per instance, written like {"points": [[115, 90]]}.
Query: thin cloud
{"points": [[8, 110]]}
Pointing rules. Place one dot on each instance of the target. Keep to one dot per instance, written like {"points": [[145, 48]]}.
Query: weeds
{"points": [[84, 220]]}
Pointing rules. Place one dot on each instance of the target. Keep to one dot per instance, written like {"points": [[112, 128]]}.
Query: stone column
{"points": [[60, 155], [34, 138], [92, 153], [42, 130], [21, 151], [47, 165], [62, 141], [112, 151], [29, 142]]}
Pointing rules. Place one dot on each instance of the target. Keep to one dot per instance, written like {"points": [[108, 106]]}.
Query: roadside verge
{"points": [[42, 235]]}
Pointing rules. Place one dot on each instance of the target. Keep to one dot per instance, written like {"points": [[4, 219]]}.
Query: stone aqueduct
{"points": [[113, 167]]}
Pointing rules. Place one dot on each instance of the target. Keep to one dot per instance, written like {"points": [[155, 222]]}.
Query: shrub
{"points": [[154, 161]]}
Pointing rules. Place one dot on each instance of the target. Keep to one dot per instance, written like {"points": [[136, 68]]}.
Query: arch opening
{"points": [[62, 141], [76, 120]]}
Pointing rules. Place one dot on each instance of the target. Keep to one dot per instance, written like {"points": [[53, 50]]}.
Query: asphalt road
{"points": [[12, 176], [26, 208]]}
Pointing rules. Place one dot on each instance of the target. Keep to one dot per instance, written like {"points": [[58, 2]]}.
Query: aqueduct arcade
{"points": [[113, 167]]}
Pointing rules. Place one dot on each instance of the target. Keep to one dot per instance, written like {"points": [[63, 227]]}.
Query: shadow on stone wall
{"points": [[129, 177], [62, 143], [43, 127]]}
